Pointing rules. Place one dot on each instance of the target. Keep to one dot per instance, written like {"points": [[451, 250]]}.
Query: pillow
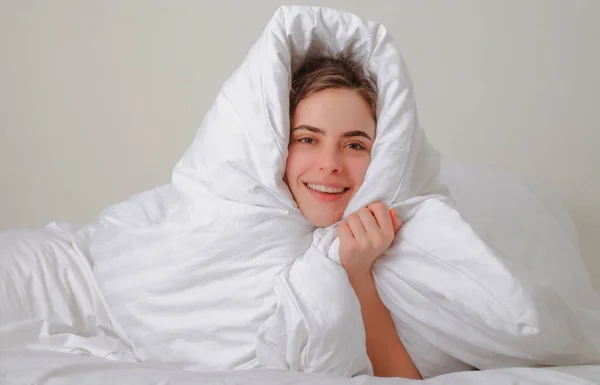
{"points": [[49, 299], [533, 237], [530, 227], [219, 270]]}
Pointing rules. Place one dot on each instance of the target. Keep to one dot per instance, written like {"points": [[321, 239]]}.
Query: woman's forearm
{"points": [[384, 348]]}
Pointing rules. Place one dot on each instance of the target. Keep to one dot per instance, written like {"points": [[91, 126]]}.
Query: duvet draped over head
{"points": [[219, 270]]}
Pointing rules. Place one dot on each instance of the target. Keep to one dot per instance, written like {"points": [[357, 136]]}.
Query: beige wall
{"points": [[99, 99]]}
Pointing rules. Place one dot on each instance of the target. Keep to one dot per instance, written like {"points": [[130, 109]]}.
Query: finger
{"points": [[368, 220], [344, 232], [357, 228], [380, 211], [396, 220]]}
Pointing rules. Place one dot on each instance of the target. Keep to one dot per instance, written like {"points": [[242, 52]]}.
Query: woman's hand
{"points": [[365, 236]]}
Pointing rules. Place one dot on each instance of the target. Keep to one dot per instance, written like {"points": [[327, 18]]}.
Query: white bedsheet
{"points": [[28, 366]]}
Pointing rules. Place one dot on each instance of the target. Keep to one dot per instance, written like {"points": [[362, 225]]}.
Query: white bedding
{"points": [[23, 366], [56, 329], [220, 270]]}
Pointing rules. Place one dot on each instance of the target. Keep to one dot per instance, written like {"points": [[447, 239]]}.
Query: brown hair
{"points": [[342, 71]]}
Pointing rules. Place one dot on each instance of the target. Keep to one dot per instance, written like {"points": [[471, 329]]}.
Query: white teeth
{"points": [[325, 189]]}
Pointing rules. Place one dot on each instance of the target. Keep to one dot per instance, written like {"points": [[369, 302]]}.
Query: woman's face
{"points": [[329, 152]]}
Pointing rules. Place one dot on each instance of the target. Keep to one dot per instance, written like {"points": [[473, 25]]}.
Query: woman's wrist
{"points": [[359, 275]]}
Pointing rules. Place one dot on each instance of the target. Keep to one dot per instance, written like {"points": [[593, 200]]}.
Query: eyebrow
{"points": [[316, 130]]}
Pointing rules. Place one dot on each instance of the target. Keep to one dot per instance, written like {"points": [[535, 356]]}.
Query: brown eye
{"points": [[306, 140], [355, 146]]}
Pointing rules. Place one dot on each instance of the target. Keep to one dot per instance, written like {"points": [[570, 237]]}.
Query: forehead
{"points": [[335, 110]]}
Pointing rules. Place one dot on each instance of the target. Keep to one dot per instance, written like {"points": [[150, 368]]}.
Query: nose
{"points": [[330, 161]]}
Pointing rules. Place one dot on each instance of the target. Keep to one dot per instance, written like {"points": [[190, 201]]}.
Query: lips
{"points": [[326, 193], [326, 189]]}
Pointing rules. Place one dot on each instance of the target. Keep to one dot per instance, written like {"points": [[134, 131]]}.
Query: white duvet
{"points": [[56, 329], [219, 271]]}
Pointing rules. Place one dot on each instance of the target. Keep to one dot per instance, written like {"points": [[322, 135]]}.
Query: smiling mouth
{"points": [[332, 191]]}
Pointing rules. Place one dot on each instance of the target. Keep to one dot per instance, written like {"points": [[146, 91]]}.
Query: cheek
{"points": [[358, 168], [295, 163]]}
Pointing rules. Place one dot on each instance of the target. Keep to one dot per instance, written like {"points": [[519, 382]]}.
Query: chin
{"points": [[322, 221]]}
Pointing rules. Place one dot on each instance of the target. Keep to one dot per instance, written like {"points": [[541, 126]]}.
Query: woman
{"points": [[333, 106]]}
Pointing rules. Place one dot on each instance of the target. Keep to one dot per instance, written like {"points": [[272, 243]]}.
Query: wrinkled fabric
{"points": [[49, 299], [33, 367]]}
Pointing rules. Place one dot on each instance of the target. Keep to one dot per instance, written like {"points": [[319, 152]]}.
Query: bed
{"points": [[56, 328]]}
